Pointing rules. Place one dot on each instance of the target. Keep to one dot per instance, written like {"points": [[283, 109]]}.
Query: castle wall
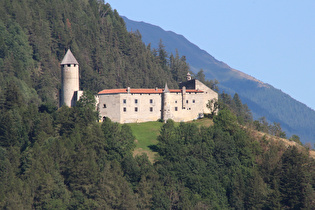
{"points": [[128, 107], [208, 94], [140, 107], [109, 106], [143, 105], [186, 107]]}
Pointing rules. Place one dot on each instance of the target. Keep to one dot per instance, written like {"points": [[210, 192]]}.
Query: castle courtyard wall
{"points": [[131, 107], [186, 108], [140, 107], [109, 106]]}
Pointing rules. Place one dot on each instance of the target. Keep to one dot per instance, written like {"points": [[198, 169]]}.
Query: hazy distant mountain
{"points": [[263, 99]]}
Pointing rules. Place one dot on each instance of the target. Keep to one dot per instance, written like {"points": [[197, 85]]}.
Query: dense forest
{"points": [[64, 159], [36, 34]]}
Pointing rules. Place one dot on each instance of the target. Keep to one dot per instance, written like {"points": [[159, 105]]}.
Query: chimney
{"points": [[188, 76]]}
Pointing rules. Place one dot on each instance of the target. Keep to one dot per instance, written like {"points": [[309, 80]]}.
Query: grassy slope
{"points": [[260, 135], [146, 135]]}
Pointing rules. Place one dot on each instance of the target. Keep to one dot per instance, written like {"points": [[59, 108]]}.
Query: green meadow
{"points": [[146, 135]]}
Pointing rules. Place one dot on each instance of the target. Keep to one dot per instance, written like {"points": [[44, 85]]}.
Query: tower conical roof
{"points": [[166, 90], [69, 59]]}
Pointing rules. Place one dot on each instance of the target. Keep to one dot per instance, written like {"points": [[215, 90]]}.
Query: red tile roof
{"points": [[148, 91]]}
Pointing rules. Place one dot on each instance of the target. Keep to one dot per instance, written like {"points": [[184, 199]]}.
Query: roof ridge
{"points": [[144, 91]]}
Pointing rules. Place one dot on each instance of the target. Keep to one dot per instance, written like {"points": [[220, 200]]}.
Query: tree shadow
{"points": [[154, 148]]}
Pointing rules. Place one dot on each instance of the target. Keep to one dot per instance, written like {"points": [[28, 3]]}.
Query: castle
{"points": [[129, 105]]}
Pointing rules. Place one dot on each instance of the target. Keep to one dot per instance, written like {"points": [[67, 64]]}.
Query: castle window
{"points": [[186, 101], [136, 109], [125, 109], [175, 102], [104, 105], [151, 109], [194, 101], [124, 101], [151, 101], [74, 65], [176, 109], [136, 101], [69, 65]]}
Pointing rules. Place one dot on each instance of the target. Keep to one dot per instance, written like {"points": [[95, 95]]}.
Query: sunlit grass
{"points": [[146, 135]]}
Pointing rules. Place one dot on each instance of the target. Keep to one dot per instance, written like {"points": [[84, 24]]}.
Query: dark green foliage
{"points": [[179, 68], [242, 112], [213, 84], [196, 158], [64, 159], [86, 108], [217, 167], [35, 36], [119, 139], [296, 139], [226, 120], [294, 182], [273, 129]]}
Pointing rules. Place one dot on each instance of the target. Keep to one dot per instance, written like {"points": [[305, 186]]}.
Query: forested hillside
{"points": [[65, 159], [36, 34], [263, 99]]}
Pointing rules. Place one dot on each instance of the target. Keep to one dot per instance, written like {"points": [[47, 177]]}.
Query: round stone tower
{"points": [[69, 80], [166, 113]]}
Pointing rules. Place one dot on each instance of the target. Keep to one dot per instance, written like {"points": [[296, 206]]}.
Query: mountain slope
{"points": [[263, 99]]}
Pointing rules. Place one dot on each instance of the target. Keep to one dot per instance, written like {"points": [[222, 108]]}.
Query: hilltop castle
{"points": [[139, 105]]}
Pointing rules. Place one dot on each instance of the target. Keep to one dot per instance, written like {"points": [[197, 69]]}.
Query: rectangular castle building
{"points": [[141, 105]]}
